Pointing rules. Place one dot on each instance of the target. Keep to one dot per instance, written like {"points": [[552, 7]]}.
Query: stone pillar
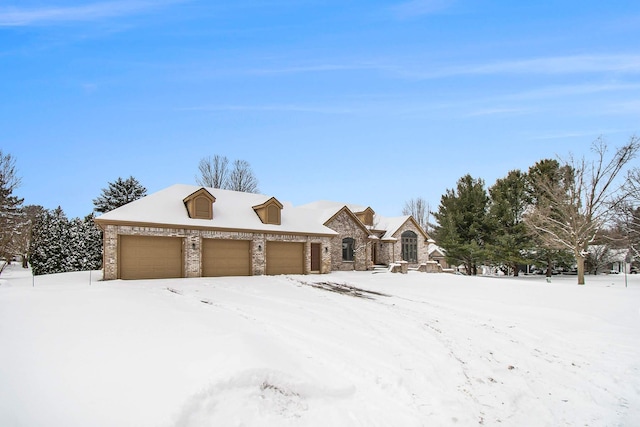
{"points": [[258, 249], [404, 267], [110, 254], [326, 255], [193, 255]]}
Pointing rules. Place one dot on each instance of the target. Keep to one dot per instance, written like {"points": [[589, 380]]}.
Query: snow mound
{"points": [[263, 396]]}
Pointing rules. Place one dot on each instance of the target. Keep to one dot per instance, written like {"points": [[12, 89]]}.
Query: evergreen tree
{"points": [[547, 252], [119, 193], [85, 245], [463, 229], [49, 247], [509, 201], [59, 245]]}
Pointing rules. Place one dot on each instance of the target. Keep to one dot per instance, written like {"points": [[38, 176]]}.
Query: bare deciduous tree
{"points": [[420, 210], [584, 203], [214, 172], [10, 214], [242, 178]]}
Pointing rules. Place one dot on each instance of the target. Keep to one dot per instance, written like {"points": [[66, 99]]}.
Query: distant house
{"points": [[618, 261], [190, 231]]}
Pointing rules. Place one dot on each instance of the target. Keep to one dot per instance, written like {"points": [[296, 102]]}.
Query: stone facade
{"points": [[348, 226], [322, 227], [389, 249], [192, 247]]}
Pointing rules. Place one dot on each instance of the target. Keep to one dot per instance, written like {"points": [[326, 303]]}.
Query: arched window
{"points": [[410, 246], [347, 248]]}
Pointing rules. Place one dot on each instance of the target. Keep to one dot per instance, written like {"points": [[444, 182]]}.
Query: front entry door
{"points": [[315, 257]]}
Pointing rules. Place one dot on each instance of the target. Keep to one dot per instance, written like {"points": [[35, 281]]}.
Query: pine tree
{"points": [[85, 244], [463, 229], [59, 245], [546, 252], [49, 250], [509, 201], [119, 193]]}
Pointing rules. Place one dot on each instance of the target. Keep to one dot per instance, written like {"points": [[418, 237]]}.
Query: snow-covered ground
{"points": [[404, 350]]}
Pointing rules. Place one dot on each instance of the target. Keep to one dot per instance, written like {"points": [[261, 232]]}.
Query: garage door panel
{"points": [[285, 258], [150, 257], [224, 257]]}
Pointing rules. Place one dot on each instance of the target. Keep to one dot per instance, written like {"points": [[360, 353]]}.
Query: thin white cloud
{"points": [[577, 134], [15, 17], [566, 65], [628, 107], [272, 108], [415, 8], [572, 64], [573, 90], [559, 65], [499, 111], [313, 68]]}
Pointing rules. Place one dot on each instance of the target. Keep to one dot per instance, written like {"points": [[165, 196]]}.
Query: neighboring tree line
{"points": [[47, 239], [556, 214]]}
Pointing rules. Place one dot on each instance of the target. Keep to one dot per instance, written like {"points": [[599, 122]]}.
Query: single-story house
{"points": [[191, 231]]}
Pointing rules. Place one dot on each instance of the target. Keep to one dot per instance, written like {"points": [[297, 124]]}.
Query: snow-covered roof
{"points": [[231, 210], [324, 210], [328, 204], [390, 224], [432, 248]]}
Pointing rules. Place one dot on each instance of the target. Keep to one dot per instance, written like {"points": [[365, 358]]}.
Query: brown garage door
{"points": [[146, 257], [285, 258], [226, 257]]}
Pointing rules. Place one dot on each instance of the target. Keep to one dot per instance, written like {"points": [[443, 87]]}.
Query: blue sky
{"points": [[368, 102]]}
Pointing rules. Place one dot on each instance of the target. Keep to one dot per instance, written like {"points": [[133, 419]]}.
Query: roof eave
{"points": [[105, 222]]}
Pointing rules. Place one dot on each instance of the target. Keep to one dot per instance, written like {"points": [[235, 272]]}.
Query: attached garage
{"points": [[285, 258], [150, 257], [224, 257]]}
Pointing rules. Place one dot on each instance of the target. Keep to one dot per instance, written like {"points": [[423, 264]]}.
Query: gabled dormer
{"points": [[270, 212], [200, 204], [366, 216]]}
